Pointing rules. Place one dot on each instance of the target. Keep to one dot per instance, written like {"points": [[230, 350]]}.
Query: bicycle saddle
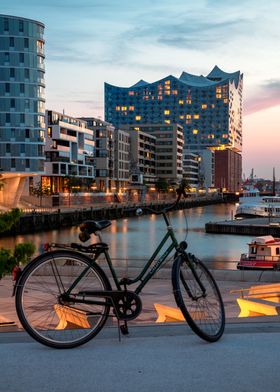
{"points": [[92, 226]]}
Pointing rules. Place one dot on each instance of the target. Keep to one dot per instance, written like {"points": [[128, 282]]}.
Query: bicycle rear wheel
{"points": [[44, 307], [198, 297]]}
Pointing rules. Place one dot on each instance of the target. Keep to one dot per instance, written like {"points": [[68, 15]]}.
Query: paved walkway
{"points": [[158, 358]]}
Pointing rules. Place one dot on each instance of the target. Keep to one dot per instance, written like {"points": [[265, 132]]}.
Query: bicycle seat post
{"points": [[98, 234]]}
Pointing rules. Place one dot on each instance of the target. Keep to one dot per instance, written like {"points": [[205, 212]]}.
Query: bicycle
{"points": [[63, 297]]}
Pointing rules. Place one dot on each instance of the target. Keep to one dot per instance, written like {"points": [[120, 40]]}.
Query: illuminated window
{"points": [[131, 93], [218, 92], [175, 92], [195, 131], [136, 128], [167, 82], [196, 116], [189, 101], [118, 108], [124, 108], [131, 108], [137, 118], [159, 97], [166, 112], [49, 131], [213, 105], [181, 102], [218, 95], [203, 106], [167, 92], [167, 121], [225, 100], [188, 116]]}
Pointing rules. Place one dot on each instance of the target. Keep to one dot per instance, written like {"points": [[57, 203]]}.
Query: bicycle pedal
{"points": [[124, 329]]}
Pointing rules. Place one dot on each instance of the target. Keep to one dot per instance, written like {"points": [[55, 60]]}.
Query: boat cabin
{"points": [[264, 246]]}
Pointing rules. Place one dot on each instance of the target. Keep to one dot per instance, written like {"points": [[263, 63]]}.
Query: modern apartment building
{"points": [[104, 136], [208, 108], [143, 156], [228, 170], [22, 103], [69, 152], [168, 151], [122, 159], [198, 168]]}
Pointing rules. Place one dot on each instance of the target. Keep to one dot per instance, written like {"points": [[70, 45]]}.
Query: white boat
{"points": [[264, 253], [254, 205]]}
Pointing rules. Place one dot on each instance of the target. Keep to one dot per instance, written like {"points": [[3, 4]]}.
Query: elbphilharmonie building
{"points": [[208, 107]]}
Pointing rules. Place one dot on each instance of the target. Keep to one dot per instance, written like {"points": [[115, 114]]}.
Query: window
{"points": [[26, 73], [26, 43], [27, 163], [13, 163], [12, 42], [8, 118], [27, 133], [21, 58], [49, 131], [204, 106], [13, 103], [195, 131], [277, 251], [8, 148], [167, 112], [21, 26], [21, 88], [12, 72], [22, 118], [137, 118], [22, 148], [196, 116], [7, 57], [6, 24]]}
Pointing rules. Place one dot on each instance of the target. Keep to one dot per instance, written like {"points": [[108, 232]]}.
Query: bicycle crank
{"points": [[127, 305]]}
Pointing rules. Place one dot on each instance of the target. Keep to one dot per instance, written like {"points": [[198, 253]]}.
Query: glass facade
{"points": [[22, 95], [209, 108]]}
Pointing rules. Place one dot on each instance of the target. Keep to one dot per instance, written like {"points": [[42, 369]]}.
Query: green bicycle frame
{"points": [[147, 273]]}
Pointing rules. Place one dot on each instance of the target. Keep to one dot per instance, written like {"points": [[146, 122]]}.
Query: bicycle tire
{"points": [[204, 313], [38, 299]]}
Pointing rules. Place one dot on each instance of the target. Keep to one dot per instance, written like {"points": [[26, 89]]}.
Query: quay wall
{"points": [[36, 220]]}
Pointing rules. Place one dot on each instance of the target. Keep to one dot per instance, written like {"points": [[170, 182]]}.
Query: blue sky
{"points": [[92, 41]]}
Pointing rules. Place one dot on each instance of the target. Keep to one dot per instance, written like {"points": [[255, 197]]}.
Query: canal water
{"points": [[133, 240]]}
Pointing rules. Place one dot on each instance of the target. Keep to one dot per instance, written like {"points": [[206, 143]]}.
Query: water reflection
{"points": [[137, 238]]}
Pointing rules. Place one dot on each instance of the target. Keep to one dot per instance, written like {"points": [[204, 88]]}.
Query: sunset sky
{"points": [[89, 42]]}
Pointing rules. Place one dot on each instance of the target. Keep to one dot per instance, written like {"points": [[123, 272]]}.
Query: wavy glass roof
{"points": [[216, 76]]}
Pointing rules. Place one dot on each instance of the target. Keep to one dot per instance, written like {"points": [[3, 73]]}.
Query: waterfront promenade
{"points": [[159, 358]]}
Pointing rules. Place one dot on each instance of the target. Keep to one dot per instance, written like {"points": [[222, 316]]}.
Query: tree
{"points": [[185, 185], [161, 185], [21, 253], [39, 190], [73, 185]]}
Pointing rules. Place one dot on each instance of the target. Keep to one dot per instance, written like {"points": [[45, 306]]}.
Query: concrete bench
{"points": [[71, 317], [251, 306], [269, 292], [168, 314]]}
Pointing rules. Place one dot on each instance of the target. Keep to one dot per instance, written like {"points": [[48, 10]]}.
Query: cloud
{"points": [[266, 96]]}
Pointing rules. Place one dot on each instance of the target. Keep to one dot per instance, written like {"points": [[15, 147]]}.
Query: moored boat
{"points": [[264, 253]]}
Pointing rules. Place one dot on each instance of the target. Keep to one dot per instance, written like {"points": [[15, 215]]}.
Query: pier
{"points": [[250, 226]]}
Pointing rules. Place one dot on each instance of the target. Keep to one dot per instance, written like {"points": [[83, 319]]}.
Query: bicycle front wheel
{"points": [[48, 295], [198, 297]]}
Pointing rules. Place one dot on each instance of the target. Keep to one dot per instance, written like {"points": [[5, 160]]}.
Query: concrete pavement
{"points": [[153, 358]]}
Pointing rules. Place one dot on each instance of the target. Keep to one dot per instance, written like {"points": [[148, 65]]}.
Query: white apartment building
{"points": [[69, 151], [198, 168]]}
